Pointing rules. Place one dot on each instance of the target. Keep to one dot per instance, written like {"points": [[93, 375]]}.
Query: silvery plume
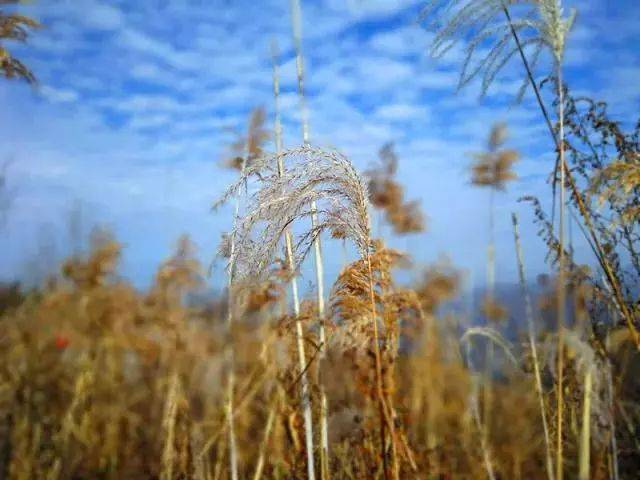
{"points": [[311, 174]]}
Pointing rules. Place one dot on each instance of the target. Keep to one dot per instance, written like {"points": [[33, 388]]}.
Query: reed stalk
{"points": [[561, 301], [585, 432], [265, 441], [475, 414], [304, 381], [612, 425], [491, 287], [532, 344], [230, 360], [296, 20]]}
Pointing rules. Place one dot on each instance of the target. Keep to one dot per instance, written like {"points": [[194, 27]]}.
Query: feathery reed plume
{"points": [[439, 283], [291, 263], [352, 301], [247, 148], [15, 27], [532, 345], [386, 194], [493, 168], [312, 174], [296, 24], [541, 25]]}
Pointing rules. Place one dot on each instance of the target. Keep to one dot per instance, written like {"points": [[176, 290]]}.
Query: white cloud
{"points": [[401, 41], [99, 15], [402, 112], [59, 95]]}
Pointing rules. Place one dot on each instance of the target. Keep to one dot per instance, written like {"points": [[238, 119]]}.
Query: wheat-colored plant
{"points": [[312, 175]]}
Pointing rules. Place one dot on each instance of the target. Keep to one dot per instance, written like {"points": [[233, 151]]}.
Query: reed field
{"points": [[359, 375]]}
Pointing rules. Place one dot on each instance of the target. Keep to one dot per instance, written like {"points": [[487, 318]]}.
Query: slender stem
{"points": [[475, 413], [532, 343], [304, 382], [585, 433], [296, 16], [265, 441], [233, 452], [491, 286], [561, 300], [614, 443]]}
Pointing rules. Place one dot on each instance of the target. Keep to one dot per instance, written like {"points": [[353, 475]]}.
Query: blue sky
{"points": [[137, 101]]}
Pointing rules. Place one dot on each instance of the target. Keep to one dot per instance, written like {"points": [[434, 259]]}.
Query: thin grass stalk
{"points": [[612, 425], [491, 286], [217, 469], [532, 344], [296, 16], [585, 432], [265, 441], [169, 426], [233, 449], [561, 284], [304, 381], [233, 452], [584, 212], [475, 413]]}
